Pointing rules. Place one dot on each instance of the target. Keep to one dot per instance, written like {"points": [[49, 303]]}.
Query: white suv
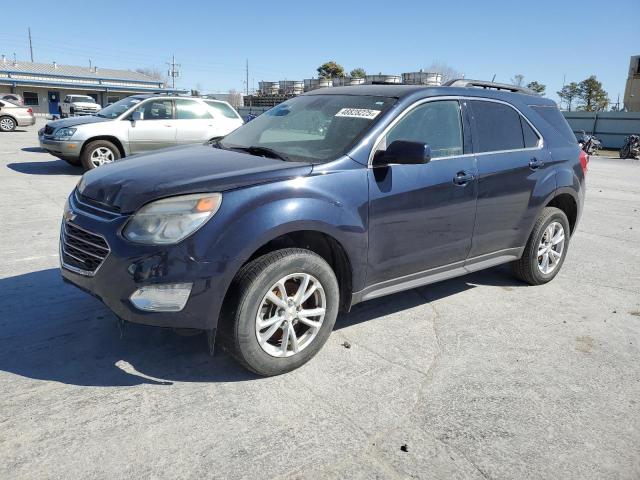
{"points": [[137, 124]]}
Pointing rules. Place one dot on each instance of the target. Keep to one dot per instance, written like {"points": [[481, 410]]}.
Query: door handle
{"points": [[534, 163], [462, 178]]}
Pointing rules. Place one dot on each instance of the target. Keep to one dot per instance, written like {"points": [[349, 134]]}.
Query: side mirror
{"points": [[403, 152], [135, 116]]}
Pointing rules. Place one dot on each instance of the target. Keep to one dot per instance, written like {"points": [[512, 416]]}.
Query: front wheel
{"points": [[98, 153], [546, 248], [285, 307]]}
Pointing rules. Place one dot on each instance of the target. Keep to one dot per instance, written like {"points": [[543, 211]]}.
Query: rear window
{"points": [[554, 118], [498, 126], [223, 109]]}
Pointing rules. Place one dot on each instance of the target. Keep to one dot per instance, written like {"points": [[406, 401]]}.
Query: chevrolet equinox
{"points": [[331, 198]]}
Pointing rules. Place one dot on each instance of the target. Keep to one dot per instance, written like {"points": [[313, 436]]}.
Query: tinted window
{"points": [[435, 123], [156, 110], [30, 98], [554, 118], [190, 110], [223, 109], [530, 136], [497, 125]]}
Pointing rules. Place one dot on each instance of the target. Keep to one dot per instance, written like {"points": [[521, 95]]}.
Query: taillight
{"points": [[29, 111], [584, 161]]}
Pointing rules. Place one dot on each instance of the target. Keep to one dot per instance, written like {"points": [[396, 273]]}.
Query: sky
{"points": [[545, 41]]}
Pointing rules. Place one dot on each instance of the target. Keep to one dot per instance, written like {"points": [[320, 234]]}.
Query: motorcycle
{"points": [[589, 143], [631, 147]]}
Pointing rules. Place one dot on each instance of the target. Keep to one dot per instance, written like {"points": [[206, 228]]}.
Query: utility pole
{"points": [[247, 78], [173, 70], [30, 45]]}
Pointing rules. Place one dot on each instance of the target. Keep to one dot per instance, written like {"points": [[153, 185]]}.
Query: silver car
{"points": [[12, 116], [137, 124]]}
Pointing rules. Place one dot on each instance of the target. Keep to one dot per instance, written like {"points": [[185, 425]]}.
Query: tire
{"points": [[72, 112], [251, 286], [528, 268], [7, 124], [105, 150], [624, 152]]}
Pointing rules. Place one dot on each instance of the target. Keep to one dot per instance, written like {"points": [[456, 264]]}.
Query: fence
{"points": [[609, 127]]}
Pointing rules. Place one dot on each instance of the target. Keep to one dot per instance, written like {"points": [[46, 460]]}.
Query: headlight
{"points": [[172, 219], [64, 133]]}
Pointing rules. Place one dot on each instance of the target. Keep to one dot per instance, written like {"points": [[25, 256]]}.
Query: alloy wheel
{"points": [[101, 156], [551, 248], [7, 124], [290, 315]]}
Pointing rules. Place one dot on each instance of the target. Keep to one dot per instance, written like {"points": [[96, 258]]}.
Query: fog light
{"points": [[170, 297]]}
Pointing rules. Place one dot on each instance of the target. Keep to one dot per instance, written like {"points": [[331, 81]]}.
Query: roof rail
{"points": [[463, 82]]}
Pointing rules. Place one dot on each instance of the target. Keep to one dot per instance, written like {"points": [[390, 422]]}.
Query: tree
{"points": [[234, 98], [517, 80], [154, 73], [568, 93], [358, 73], [592, 95], [330, 70], [447, 72], [537, 87]]}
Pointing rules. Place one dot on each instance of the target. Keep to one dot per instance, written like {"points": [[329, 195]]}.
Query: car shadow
{"points": [[50, 167], [51, 331], [33, 150]]}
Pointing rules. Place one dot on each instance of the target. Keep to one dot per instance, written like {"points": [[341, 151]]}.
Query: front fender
{"points": [[333, 203]]}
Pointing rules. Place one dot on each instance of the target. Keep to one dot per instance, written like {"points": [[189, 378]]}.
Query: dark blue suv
{"points": [[329, 199]]}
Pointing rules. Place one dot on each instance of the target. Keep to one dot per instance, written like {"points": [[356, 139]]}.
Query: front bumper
{"points": [[128, 267], [60, 148]]}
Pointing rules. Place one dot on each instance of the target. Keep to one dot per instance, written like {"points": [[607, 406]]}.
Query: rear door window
{"points": [[498, 127], [531, 138], [554, 118], [190, 110]]}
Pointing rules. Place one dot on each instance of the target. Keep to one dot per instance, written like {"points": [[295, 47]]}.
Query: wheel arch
{"points": [[109, 138]]}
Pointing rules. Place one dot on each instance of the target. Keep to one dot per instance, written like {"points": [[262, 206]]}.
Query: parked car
{"points": [[12, 116], [266, 234], [73, 105], [137, 124], [12, 97]]}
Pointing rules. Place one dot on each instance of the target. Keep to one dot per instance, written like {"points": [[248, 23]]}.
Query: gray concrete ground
{"points": [[480, 377]]}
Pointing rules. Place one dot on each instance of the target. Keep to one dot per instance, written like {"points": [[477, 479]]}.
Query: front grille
{"points": [[82, 250], [48, 130]]}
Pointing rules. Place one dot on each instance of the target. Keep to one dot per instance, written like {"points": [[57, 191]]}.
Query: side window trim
{"points": [[540, 144]]}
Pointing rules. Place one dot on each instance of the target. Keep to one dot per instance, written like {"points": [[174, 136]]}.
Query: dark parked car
{"points": [[329, 199]]}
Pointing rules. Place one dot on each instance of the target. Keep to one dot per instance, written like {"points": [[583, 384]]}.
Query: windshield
{"points": [[116, 109], [83, 99], [314, 128]]}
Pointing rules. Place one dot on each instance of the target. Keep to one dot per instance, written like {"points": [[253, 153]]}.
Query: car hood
{"points": [[75, 121], [129, 183]]}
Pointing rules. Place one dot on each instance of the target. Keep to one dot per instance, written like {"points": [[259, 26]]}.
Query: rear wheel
{"points": [[546, 248], [285, 307], [7, 124], [98, 153], [624, 152]]}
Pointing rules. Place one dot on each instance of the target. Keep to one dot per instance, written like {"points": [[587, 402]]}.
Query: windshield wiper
{"points": [[263, 152]]}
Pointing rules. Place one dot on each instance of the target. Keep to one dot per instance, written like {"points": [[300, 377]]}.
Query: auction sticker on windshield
{"points": [[358, 113]]}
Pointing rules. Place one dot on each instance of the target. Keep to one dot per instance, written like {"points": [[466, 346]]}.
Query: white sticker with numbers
{"points": [[358, 113]]}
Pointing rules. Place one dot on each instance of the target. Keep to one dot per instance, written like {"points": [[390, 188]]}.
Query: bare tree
{"points": [[154, 73], [448, 72], [517, 80], [234, 97]]}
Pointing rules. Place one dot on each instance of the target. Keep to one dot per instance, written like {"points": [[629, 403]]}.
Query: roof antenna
{"points": [[494, 78]]}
